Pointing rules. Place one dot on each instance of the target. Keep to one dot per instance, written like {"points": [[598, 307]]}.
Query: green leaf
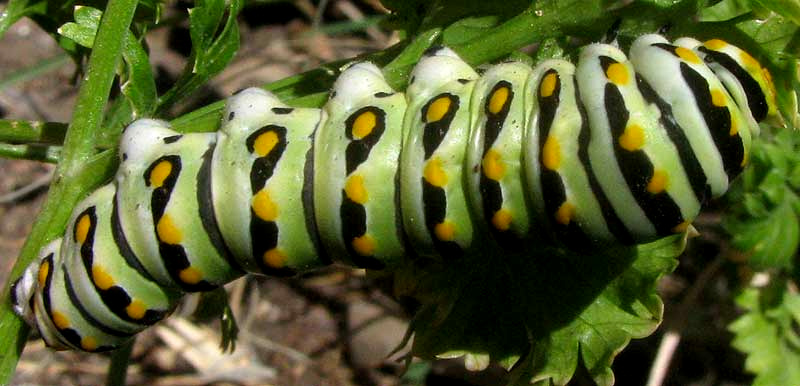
{"points": [[467, 29], [765, 225], [214, 45], [725, 10], [771, 241], [767, 334], [83, 30], [137, 82], [542, 310]]}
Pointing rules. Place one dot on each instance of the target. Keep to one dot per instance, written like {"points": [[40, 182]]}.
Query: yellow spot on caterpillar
{"points": [[60, 320], [274, 258], [551, 153], [364, 245], [354, 188], [265, 143], [681, 227], [715, 44], [44, 270], [687, 55], [160, 173], [136, 309], [434, 173], [364, 124], [167, 231], [437, 109], [749, 61], [264, 207], [734, 127], [190, 275], [101, 278], [718, 98], [745, 159], [445, 231], [89, 343], [501, 220], [498, 100], [493, 166], [770, 84], [617, 73], [82, 228], [564, 213], [632, 138], [658, 182], [548, 85]]}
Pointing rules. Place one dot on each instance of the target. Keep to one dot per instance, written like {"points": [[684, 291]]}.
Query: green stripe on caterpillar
{"points": [[616, 149]]}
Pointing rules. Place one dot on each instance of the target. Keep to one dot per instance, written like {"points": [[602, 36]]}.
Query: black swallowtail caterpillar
{"points": [[615, 149]]}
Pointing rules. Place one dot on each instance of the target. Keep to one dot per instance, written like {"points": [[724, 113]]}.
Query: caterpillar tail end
{"points": [[24, 290]]}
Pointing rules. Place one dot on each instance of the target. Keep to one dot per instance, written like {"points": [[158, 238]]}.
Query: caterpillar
{"points": [[615, 149]]}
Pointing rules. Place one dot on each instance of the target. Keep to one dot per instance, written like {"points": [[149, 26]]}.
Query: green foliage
{"points": [[768, 334], [551, 307], [215, 40], [766, 224], [540, 313]]}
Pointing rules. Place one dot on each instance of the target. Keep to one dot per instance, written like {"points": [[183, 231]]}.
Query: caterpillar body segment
{"points": [[358, 151], [162, 208], [436, 212], [494, 155], [613, 149], [261, 184], [564, 188]]}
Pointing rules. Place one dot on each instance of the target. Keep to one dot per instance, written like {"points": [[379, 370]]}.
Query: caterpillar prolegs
{"points": [[615, 149]]}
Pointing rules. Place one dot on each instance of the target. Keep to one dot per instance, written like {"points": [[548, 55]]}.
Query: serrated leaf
{"points": [[766, 334], [771, 241], [764, 222], [544, 309]]}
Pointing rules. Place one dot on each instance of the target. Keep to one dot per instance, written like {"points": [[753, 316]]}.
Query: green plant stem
{"points": [[29, 132], [49, 154], [118, 368], [75, 175]]}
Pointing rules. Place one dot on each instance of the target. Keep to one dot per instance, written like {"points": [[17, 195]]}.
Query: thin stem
{"points": [[118, 368], [29, 132], [71, 183], [49, 154]]}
